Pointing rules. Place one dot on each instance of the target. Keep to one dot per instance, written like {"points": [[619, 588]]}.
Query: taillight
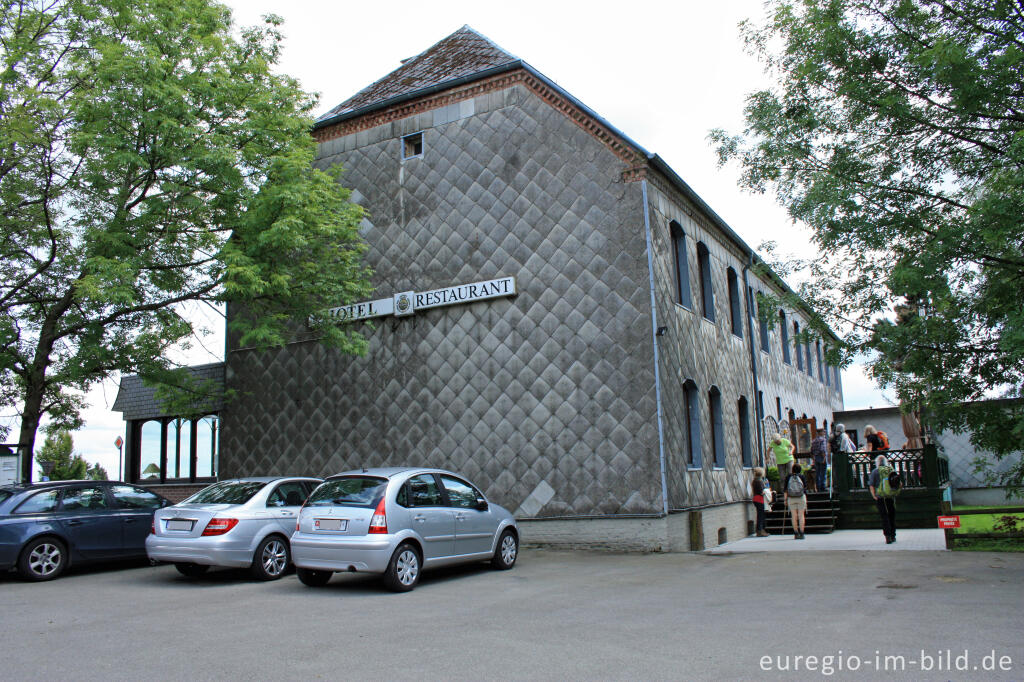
{"points": [[379, 522], [152, 527], [219, 526]]}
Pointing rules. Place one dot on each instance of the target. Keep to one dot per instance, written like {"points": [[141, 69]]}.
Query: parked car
{"points": [[242, 522], [396, 522], [46, 527]]}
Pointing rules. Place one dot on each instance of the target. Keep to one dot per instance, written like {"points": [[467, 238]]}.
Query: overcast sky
{"points": [[662, 73]]}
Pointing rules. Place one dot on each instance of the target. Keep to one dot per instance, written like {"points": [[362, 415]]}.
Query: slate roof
{"points": [[136, 401], [463, 53]]}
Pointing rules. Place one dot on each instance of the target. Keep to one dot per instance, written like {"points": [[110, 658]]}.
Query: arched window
{"points": [[807, 351], [150, 451], [778, 407], [707, 294], [691, 409], [682, 265], [784, 337], [827, 369], [796, 346], [717, 428], [817, 354], [743, 414], [735, 307], [179, 448], [763, 327], [206, 446]]}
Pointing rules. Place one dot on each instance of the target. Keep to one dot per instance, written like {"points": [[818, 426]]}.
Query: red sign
{"points": [[118, 443], [949, 522]]}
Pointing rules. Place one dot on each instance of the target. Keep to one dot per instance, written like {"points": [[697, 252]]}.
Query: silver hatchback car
{"points": [[396, 522], [234, 523]]}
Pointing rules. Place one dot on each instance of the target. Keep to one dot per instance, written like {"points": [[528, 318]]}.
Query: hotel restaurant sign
{"points": [[408, 302]]}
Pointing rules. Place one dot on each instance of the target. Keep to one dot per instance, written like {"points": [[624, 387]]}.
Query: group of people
{"points": [[793, 485]]}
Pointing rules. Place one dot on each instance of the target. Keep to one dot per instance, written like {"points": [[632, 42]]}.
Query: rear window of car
{"points": [[229, 492], [349, 491]]}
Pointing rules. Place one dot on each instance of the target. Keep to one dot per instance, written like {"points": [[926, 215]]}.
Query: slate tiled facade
{"points": [[552, 401]]}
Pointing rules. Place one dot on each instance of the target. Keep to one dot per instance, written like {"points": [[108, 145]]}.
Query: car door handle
{"points": [[285, 512], [74, 522], [129, 520], [419, 517], [460, 517]]}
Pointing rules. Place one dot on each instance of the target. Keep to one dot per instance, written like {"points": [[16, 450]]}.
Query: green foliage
{"points": [[96, 473], [58, 449], [896, 132], [150, 156]]}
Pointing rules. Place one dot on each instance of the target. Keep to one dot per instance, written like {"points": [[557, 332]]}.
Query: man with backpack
{"points": [[819, 453], [796, 500], [885, 484]]}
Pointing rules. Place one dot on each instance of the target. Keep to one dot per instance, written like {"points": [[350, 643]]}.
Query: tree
{"points": [[896, 132], [96, 473], [58, 450], [148, 158]]}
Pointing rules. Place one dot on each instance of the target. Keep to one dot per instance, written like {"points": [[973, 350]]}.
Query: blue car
{"points": [[46, 527]]}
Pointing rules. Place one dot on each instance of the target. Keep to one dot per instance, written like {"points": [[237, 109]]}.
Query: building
{"points": [[561, 318], [968, 486]]}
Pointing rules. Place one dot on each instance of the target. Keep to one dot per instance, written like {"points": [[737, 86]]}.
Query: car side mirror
{"points": [[481, 505]]}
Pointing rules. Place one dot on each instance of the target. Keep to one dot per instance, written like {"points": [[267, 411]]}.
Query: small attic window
{"points": [[412, 145]]}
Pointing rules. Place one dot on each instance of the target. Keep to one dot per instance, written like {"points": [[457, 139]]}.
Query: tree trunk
{"points": [[30, 418]]}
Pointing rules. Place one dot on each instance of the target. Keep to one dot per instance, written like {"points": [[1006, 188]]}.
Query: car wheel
{"points": [[507, 551], [271, 559], [43, 559], [313, 578], [191, 570], [404, 569]]}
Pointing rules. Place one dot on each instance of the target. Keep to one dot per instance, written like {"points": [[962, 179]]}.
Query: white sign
{"points": [[408, 302]]}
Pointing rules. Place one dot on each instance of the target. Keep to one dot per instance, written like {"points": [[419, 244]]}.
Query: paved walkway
{"points": [[857, 540]]}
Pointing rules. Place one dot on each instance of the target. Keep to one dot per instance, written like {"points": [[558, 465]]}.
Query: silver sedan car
{"points": [[243, 522], [396, 522]]}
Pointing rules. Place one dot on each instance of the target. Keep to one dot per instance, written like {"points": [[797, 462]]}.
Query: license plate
{"points": [[330, 524], [180, 524]]}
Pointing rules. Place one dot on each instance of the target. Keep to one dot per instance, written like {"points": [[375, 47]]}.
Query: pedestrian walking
{"points": [[885, 497], [758, 494], [796, 500], [820, 454], [783, 451]]}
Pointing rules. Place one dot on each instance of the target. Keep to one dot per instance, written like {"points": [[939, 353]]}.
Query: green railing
{"points": [[922, 468]]}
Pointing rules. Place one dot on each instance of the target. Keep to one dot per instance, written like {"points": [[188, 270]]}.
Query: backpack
{"points": [[795, 485], [889, 482], [835, 443], [885, 440]]}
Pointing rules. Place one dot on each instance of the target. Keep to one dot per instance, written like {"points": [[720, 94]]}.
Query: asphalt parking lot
{"points": [[556, 615]]}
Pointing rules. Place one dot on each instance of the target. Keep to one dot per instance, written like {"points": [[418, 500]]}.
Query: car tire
{"points": [[507, 551], [43, 559], [191, 570], [308, 576], [272, 558], [403, 572]]}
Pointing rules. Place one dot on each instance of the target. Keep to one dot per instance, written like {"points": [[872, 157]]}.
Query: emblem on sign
{"points": [[403, 303]]}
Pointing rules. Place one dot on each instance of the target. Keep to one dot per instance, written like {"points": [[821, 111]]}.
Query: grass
{"points": [[985, 523], [1008, 545]]}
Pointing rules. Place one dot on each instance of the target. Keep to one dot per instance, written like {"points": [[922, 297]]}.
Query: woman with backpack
{"points": [[876, 440], [761, 497], [796, 500]]}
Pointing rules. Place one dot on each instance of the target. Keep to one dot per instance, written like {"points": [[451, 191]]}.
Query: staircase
{"points": [[822, 513]]}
